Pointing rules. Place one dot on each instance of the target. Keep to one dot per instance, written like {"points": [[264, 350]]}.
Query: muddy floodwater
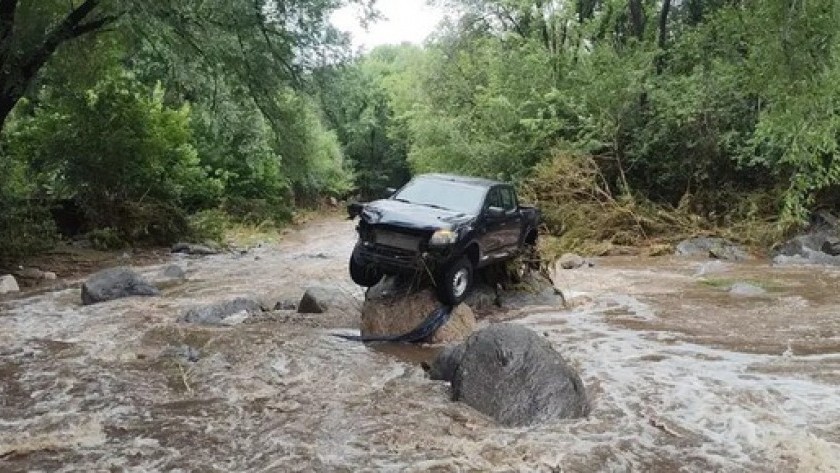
{"points": [[684, 375]]}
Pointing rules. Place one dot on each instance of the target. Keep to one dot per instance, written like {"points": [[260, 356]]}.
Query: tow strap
{"points": [[434, 321]]}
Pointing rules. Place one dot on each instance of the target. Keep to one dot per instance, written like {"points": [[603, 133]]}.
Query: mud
{"points": [[683, 375]]}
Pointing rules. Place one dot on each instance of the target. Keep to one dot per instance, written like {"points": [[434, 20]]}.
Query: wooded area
{"points": [[627, 120]]}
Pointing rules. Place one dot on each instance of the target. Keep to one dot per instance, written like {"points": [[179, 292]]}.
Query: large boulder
{"points": [[8, 284], [513, 375], [707, 247], [115, 283], [393, 308], [222, 313]]}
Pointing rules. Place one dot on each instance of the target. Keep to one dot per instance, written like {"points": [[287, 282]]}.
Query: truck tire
{"points": [[455, 281], [365, 275]]}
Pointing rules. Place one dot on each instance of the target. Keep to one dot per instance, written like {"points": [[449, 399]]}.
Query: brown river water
{"points": [[683, 375]]}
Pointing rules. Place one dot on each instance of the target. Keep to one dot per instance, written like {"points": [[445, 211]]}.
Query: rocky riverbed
{"points": [[690, 365]]}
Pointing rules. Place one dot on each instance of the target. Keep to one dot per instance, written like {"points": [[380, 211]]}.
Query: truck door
{"points": [[492, 236], [512, 228]]}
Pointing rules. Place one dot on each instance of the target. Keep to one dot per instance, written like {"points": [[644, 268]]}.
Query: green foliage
{"points": [[357, 103], [105, 239], [209, 225], [120, 152], [704, 111]]}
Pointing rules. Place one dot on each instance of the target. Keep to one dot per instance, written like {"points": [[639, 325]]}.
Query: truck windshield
{"points": [[448, 195]]}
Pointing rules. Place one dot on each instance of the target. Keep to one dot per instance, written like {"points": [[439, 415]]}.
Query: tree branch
{"points": [[61, 33], [95, 25]]}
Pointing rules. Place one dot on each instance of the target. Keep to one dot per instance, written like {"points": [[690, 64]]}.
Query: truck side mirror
{"points": [[354, 209], [495, 212]]}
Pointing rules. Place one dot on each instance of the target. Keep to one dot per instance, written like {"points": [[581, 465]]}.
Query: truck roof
{"points": [[474, 181]]}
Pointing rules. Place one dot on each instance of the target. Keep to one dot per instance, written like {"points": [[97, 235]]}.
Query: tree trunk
{"points": [[6, 106], [663, 35], [637, 18]]}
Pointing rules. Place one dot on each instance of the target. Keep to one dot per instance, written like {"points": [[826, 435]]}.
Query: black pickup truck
{"points": [[444, 226]]}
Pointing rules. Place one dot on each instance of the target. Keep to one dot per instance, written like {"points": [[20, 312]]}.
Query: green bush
{"points": [[26, 226], [125, 157], [208, 225], [105, 239]]}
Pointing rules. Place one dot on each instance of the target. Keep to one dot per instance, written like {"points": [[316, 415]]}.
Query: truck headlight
{"points": [[443, 238]]}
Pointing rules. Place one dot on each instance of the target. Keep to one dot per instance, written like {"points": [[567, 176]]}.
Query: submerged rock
{"points": [[169, 276], [510, 373], [115, 283], [8, 284], [222, 313], [708, 247], [391, 308], [744, 289]]}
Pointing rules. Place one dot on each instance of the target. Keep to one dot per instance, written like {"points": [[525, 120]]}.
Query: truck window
{"points": [[494, 199], [508, 199]]}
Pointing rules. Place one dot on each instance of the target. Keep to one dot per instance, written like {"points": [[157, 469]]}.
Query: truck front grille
{"points": [[397, 240]]}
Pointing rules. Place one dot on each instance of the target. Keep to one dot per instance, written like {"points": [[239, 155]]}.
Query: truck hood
{"points": [[413, 216]]}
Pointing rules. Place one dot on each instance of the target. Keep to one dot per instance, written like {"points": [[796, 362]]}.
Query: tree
{"points": [[262, 42]]}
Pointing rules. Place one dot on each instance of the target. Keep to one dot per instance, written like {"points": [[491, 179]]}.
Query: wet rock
{"points": [[30, 273], [391, 308], [831, 246], [222, 313], [183, 353], [443, 367], [718, 248], [533, 290], [8, 284], [802, 245], [285, 305], [193, 249], [483, 297], [173, 271], [115, 283], [169, 276], [512, 374], [743, 289], [814, 248], [571, 261], [320, 299]]}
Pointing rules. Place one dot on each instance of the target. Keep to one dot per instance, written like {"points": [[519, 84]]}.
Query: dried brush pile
{"points": [[582, 214]]}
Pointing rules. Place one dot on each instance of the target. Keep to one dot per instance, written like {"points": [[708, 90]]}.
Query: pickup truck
{"points": [[444, 226]]}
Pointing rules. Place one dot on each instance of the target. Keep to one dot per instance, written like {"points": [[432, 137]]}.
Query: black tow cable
{"points": [[434, 321]]}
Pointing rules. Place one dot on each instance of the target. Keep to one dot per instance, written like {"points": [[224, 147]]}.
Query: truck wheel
{"points": [[365, 275], [455, 281]]}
